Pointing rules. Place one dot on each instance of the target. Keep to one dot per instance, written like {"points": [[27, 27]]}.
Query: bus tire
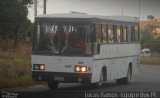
{"points": [[125, 80], [52, 85], [99, 84]]}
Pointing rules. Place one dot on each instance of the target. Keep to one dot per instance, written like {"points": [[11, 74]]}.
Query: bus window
{"points": [[136, 34], [104, 33], [139, 34], [124, 34], [132, 33], [118, 34], [93, 34], [59, 38], [107, 32], [110, 34], [98, 33]]}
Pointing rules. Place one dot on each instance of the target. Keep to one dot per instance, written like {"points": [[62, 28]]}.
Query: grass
{"points": [[15, 66], [154, 59]]}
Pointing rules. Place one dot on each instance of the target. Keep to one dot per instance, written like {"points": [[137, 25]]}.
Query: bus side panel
{"points": [[116, 58], [110, 69]]}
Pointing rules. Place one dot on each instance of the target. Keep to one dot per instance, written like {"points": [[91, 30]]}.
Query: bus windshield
{"points": [[62, 39]]}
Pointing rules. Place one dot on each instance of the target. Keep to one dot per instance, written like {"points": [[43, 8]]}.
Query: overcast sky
{"points": [[101, 7]]}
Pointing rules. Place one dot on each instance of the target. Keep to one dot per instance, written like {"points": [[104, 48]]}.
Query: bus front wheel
{"points": [[52, 85]]}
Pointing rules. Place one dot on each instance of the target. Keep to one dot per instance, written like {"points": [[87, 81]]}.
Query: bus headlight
{"points": [[77, 68], [84, 69], [38, 66], [80, 68], [42, 67]]}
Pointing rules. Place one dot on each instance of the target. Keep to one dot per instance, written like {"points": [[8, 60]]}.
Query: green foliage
{"points": [[13, 17], [152, 60], [15, 67], [148, 40]]}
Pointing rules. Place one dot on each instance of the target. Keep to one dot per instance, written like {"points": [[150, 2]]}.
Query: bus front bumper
{"points": [[62, 77]]}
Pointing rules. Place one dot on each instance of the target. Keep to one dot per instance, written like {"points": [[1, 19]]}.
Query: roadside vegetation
{"points": [[150, 31], [151, 60], [15, 65]]}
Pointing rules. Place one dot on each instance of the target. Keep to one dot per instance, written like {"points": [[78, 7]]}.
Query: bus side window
{"points": [[98, 33], [118, 33], [95, 39], [104, 33], [139, 34], [124, 33], [132, 34], [121, 37], [93, 34], [110, 34], [136, 34], [115, 33], [129, 34], [107, 32]]}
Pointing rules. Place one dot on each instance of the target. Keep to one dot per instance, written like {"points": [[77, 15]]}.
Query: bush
{"points": [[15, 66], [154, 59]]}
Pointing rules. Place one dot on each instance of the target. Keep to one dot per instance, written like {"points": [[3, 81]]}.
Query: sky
{"points": [[101, 7]]}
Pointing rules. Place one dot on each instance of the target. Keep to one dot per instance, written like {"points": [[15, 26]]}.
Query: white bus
{"points": [[87, 49]]}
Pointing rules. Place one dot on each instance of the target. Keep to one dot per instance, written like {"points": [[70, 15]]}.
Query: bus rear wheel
{"points": [[125, 80], [52, 85]]}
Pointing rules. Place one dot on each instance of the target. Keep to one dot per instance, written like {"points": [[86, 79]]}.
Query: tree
{"points": [[148, 32], [13, 14]]}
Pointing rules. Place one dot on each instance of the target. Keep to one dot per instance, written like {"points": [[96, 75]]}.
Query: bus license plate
{"points": [[59, 78]]}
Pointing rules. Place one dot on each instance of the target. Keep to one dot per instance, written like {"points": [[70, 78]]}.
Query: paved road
{"points": [[148, 80]]}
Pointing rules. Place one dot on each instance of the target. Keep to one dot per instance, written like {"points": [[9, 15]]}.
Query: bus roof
{"points": [[86, 16]]}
